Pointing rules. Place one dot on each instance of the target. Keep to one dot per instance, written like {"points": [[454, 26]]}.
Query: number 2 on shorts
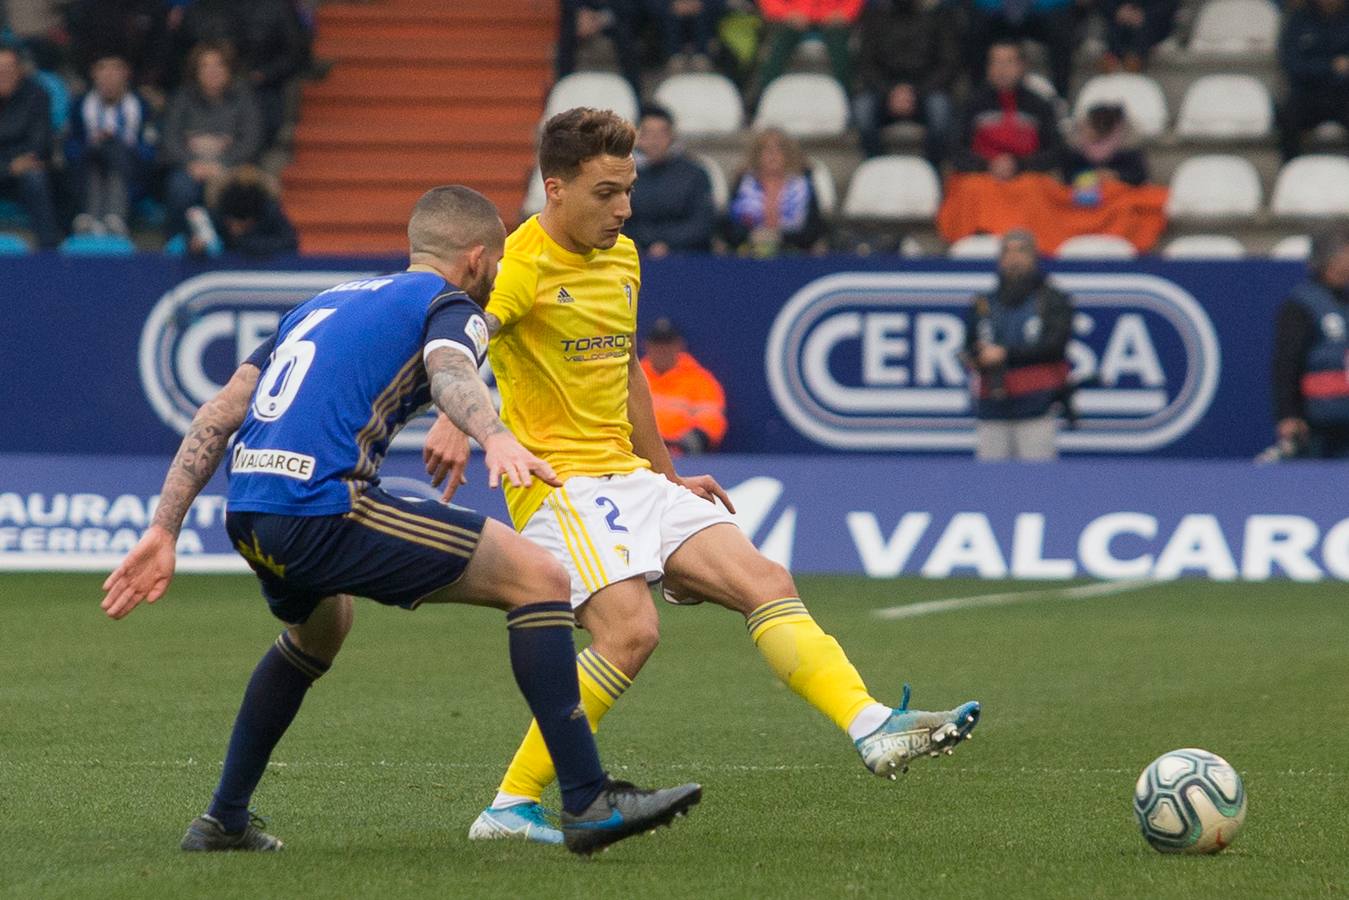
{"points": [[611, 519]]}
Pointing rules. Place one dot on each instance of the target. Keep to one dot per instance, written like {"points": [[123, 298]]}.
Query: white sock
{"points": [[868, 720], [504, 800]]}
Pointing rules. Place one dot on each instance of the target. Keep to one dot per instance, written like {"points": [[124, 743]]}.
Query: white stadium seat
{"points": [[1140, 95], [804, 105], [822, 180], [1236, 28], [1096, 246], [1226, 106], [602, 90], [1312, 185], [1214, 186], [721, 191], [702, 103], [976, 246], [894, 188], [534, 196], [1205, 246], [1295, 246]]}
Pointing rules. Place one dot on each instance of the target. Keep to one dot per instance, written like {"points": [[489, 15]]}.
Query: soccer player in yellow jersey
{"points": [[563, 316]]}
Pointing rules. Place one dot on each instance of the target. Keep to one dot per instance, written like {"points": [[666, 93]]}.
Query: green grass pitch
{"points": [[112, 733]]}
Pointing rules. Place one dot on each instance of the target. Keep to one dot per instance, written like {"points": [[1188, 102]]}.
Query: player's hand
{"points": [[506, 458], [706, 486], [144, 574], [446, 456]]}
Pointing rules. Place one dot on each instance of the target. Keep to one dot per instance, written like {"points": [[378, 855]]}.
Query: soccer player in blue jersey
{"points": [[315, 409]]}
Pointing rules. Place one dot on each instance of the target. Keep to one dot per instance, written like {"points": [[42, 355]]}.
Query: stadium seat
{"points": [[97, 245], [702, 103], [602, 90], [1295, 246], [976, 246], [721, 190], [1312, 185], [826, 191], [534, 197], [1096, 246], [1140, 95], [804, 106], [13, 245], [1205, 246], [1236, 28], [1212, 186], [893, 188], [1226, 106]]}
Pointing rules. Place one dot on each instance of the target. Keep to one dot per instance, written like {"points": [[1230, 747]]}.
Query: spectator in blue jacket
{"points": [[1050, 22], [109, 149], [1314, 54], [26, 146], [672, 208]]}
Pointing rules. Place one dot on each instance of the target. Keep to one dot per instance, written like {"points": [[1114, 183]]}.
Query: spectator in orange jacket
{"points": [[690, 404], [790, 21]]}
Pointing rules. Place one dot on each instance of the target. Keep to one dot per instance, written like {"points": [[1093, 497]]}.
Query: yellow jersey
{"points": [[568, 328]]}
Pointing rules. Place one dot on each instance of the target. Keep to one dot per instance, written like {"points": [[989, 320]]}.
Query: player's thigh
{"points": [[506, 571], [321, 635], [992, 440], [720, 564]]}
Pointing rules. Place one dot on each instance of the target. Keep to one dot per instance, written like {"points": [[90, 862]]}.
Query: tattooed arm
{"points": [[147, 570], [446, 450], [459, 393]]}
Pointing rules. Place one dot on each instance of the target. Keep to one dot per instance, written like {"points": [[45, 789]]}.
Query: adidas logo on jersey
{"points": [[563, 296]]}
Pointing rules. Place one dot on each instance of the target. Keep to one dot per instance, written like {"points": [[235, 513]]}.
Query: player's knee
{"points": [[772, 581], [539, 578], [636, 642]]}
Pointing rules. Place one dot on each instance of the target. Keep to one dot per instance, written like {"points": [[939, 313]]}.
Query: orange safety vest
{"points": [[687, 397]]}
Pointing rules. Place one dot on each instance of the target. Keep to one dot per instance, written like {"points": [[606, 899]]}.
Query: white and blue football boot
{"points": [[521, 822], [911, 734]]}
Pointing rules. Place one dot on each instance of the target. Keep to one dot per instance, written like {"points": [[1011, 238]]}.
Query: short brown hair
{"points": [[572, 137], [450, 219]]}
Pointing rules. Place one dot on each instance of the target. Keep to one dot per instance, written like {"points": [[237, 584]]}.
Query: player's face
{"points": [[1017, 260], [597, 202]]}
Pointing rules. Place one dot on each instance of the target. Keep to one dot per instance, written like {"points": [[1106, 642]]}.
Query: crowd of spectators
{"points": [[122, 114], [955, 68]]}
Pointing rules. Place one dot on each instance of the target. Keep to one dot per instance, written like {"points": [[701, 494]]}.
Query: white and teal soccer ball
{"points": [[1189, 801]]}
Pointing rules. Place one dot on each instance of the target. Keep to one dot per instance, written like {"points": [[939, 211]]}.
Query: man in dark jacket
{"points": [[1007, 128], [26, 146], [907, 66], [1016, 342], [1311, 348], [672, 209], [1314, 55]]}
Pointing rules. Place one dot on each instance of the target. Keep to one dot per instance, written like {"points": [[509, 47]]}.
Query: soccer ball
{"points": [[1189, 801]]}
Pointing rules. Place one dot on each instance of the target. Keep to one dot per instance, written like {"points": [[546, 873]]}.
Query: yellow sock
{"points": [[532, 768], [810, 662]]}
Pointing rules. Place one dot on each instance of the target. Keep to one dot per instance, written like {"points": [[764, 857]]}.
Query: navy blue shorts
{"points": [[391, 550]]}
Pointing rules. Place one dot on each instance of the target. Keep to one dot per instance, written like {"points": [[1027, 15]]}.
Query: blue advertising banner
{"points": [[883, 517], [817, 355]]}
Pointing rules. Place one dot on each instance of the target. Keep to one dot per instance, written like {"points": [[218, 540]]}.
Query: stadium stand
{"points": [[1315, 185], [702, 103], [1223, 107], [1096, 246], [1295, 246], [976, 246], [716, 176], [1235, 27], [893, 188], [805, 105], [1205, 246], [1141, 95], [1214, 186], [602, 90], [419, 93]]}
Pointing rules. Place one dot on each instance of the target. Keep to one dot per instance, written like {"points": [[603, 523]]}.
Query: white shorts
{"points": [[608, 529]]}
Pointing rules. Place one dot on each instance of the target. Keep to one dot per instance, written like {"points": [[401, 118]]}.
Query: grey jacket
{"points": [[236, 114]]}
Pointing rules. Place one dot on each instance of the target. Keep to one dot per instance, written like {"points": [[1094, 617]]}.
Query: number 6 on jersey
{"points": [[291, 360]]}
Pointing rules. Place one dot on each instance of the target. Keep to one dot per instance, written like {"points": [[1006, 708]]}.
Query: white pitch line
{"points": [[1076, 592]]}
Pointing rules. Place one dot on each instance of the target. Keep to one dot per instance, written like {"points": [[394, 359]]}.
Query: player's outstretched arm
{"points": [[648, 444], [459, 392], [147, 570]]}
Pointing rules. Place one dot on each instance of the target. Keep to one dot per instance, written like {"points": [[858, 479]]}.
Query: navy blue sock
{"points": [[543, 659], [272, 699]]}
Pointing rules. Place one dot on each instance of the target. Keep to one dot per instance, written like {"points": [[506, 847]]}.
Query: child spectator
{"points": [[109, 149], [773, 207], [1103, 145], [212, 123]]}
